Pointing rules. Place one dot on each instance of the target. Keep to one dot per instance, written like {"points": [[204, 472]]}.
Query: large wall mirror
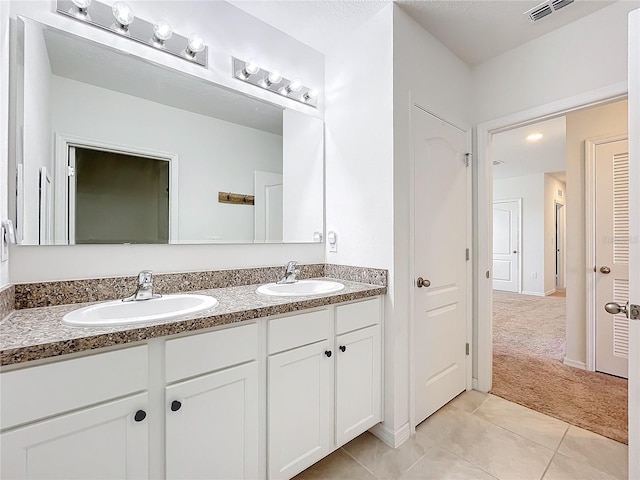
{"points": [[112, 148]]}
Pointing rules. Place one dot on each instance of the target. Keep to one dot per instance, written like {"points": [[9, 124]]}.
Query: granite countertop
{"points": [[37, 333]]}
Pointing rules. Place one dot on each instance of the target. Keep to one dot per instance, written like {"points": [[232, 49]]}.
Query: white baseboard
{"points": [[535, 294], [392, 438], [574, 363]]}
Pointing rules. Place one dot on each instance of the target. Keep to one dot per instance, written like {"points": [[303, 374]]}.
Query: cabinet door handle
{"points": [[140, 415], [176, 405], [343, 348], [327, 353]]}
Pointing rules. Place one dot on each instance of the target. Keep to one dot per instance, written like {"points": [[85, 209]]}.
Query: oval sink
{"points": [[117, 312], [300, 288]]}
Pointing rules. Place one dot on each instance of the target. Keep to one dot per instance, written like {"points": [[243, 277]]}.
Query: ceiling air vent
{"points": [[546, 8]]}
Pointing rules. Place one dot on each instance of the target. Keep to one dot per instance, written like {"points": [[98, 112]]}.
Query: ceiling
{"points": [[474, 30], [522, 157]]}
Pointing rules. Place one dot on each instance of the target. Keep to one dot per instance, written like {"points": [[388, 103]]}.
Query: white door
{"points": [[104, 442], [634, 247], [440, 243], [612, 254], [560, 245], [268, 215], [299, 408], [506, 256], [358, 382], [212, 426]]}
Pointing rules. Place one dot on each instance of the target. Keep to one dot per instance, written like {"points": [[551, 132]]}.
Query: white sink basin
{"points": [[301, 288], [117, 312]]}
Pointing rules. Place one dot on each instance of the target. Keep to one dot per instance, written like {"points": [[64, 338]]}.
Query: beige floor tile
{"points": [[468, 401], [597, 451], [535, 426], [565, 468], [439, 464], [384, 461], [495, 450], [336, 466]]}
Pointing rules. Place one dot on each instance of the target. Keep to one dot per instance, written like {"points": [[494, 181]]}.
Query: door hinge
{"points": [[466, 349], [467, 254], [71, 171], [467, 158]]}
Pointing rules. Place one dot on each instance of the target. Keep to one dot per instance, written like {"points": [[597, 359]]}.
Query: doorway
{"points": [[560, 245]]}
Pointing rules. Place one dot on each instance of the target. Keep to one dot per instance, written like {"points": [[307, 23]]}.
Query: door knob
{"points": [[421, 282], [604, 269], [614, 308], [515, 251]]}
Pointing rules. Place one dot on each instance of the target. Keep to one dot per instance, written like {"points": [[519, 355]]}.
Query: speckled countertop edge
{"points": [[37, 333]]}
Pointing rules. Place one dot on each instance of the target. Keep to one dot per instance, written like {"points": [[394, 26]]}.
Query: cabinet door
{"points": [[212, 425], [358, 382], [299, 408], [102, 442]]}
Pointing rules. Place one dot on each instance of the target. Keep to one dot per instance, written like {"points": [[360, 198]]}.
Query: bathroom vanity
{"points": [[258, 387]]}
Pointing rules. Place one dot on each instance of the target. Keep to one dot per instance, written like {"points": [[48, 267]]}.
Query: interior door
{"points": [[506, 256], [612, 255], [268, 217], [440, 300]]}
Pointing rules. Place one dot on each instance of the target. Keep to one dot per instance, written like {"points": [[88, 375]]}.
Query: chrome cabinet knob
{"points": [[421, 282], [604, 269], [614, 308]]}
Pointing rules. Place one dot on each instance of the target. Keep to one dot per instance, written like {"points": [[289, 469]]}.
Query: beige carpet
{"points": [[528, 349]]}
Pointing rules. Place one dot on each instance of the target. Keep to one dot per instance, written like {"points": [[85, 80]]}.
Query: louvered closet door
{"points": [[612, 251]]}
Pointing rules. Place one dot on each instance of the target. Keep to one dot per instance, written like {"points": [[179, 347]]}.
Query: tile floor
{"points": [[480, 436]]}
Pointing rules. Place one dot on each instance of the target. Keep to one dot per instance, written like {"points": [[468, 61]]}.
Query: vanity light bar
{"points": [[250, 72], [121, 21]]}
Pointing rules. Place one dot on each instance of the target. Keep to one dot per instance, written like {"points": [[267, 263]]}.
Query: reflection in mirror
{"points": [[136, 152]]}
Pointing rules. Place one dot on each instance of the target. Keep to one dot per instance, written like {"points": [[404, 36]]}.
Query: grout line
{"points": [[550, 462], [357, 461], [563, 437]]}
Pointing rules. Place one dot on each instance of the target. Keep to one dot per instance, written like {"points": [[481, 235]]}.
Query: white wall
{"points": [[359, 171], [585, 55], [551, 188], [228, 31], [37, 148], [427, 74], [213, 155], [303, 176], [531, 189], [4, 126], [595, 122]]}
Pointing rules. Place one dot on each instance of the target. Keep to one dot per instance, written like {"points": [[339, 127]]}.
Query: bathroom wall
{"points": [[4, 126], [585, 55], [228, 31], [530, 188], [595, 122]]}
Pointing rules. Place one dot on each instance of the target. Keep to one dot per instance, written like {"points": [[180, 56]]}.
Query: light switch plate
{"points": [[4, 244], [332, 239]]}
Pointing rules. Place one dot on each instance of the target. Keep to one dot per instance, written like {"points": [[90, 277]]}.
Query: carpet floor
{"points": [[528, 349]]}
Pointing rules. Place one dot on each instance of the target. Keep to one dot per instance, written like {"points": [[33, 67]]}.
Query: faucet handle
{"points": [[145, 277]]}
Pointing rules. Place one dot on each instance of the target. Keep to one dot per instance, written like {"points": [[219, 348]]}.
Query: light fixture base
{"points": [[101, 16]]}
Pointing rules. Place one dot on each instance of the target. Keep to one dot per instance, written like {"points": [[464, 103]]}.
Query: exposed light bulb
{"points": [[534, 137], [310, 95], [162, 32], [271, 79], [251, 67], [82, 4], [124, 16], [194, 45], [293, 86]]}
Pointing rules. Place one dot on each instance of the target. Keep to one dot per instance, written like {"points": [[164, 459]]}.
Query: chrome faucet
{"points": [[290, 272], [145, 288]]}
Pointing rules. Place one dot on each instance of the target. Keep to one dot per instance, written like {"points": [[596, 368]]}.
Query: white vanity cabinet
{"points": [[324, 376], [212, 421], [77, 418], [300, 391]]}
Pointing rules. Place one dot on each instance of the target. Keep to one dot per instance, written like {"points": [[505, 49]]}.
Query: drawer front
{"points": [[37, 392], [296, 330], [357, 315], [205, 352]]}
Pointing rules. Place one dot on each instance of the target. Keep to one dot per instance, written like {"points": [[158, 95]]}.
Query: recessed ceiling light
{"points": [[534, 137]]}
